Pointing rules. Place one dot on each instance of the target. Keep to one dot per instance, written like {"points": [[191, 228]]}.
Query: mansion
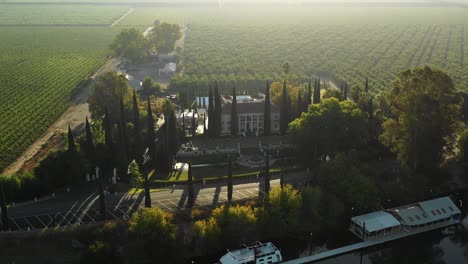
{"points": [[250, 112]]}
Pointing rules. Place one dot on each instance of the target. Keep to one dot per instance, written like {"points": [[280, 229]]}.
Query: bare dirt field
{"points": [[53, 138]]}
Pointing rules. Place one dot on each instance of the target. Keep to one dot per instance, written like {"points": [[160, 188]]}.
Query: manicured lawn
{"points": [[207, 173]]}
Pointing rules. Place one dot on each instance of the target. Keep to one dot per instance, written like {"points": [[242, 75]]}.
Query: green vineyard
{"points": [[343, 44], [39, 67], [69, 15]]}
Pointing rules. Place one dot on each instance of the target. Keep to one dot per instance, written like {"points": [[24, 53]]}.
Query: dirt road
{"points": [[75, 116]]}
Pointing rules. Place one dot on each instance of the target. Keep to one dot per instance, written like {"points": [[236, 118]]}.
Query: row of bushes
{"points": [[20, 187], [52, 173]]}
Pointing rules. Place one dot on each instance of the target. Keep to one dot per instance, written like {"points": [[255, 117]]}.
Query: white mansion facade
{"points": [[250, 112]]}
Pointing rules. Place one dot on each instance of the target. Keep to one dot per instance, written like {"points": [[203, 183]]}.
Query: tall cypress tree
{"points": [[211, 116], [234, 117], [317, 92], [151, 138], [299, 105], [108, 131], [309, 94], [267, 111], [366, 87], [123, 126], [138, 152], [194, 124], [73, 173], [190, 191], [90, 148], [345, 91], [172, 136], [204, 124], [284, 111], [204, 103], [229, 185], [217, 109], [267, 172], [183, 123], [71, 141]]}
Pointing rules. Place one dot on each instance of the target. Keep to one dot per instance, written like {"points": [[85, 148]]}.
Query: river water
{"points": [[430, 247]]}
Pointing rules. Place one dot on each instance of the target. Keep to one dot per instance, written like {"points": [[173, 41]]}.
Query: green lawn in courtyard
{"points": [[207, 173]]}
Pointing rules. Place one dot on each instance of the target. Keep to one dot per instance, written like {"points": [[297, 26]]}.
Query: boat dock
{"points": [[384, 226]]}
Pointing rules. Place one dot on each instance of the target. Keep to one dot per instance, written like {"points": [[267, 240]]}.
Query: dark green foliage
{"points": [[183, 123], [348, 179], [191, 192], [335, 126], [317, 92], [110, 89], [150, 87], [71, 141], [309, 95], [267, 172], [138, 145], [366, 86], [100, 252], [108, 131], [463, 154], [204, 124], [129, 44], [234, 116], [89, 147], [172, 135], [102, 199], [267, 112], [15, 187], [194, 124], [154, 228], [284, 110], [299, 104], [3, 208], [163, 36], [425, 119], [211, 116], [345, 91], [217, 111], [356, 92], [147, 191], [229, 184], [282, 213], [333, 93], [150, 137], [122, 142]]}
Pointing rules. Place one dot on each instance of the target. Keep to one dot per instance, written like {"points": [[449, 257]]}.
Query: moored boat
{"points": [[260, 253]]}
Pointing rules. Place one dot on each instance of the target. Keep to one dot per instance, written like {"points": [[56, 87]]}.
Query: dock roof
{"points": [[376, 221], [427, 211]]}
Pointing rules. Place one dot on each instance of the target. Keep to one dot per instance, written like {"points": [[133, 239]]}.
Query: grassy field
{"points": [[39, 67], [207, 173], [349, 44], [43, 15]]}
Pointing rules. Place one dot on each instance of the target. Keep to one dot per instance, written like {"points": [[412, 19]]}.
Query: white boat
{"points": [[256, 254]]}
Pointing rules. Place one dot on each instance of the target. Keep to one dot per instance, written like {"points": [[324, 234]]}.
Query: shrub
{"points": [[99, 252]]}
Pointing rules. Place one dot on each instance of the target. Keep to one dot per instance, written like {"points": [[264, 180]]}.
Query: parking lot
{"points": [[123, 210]]}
